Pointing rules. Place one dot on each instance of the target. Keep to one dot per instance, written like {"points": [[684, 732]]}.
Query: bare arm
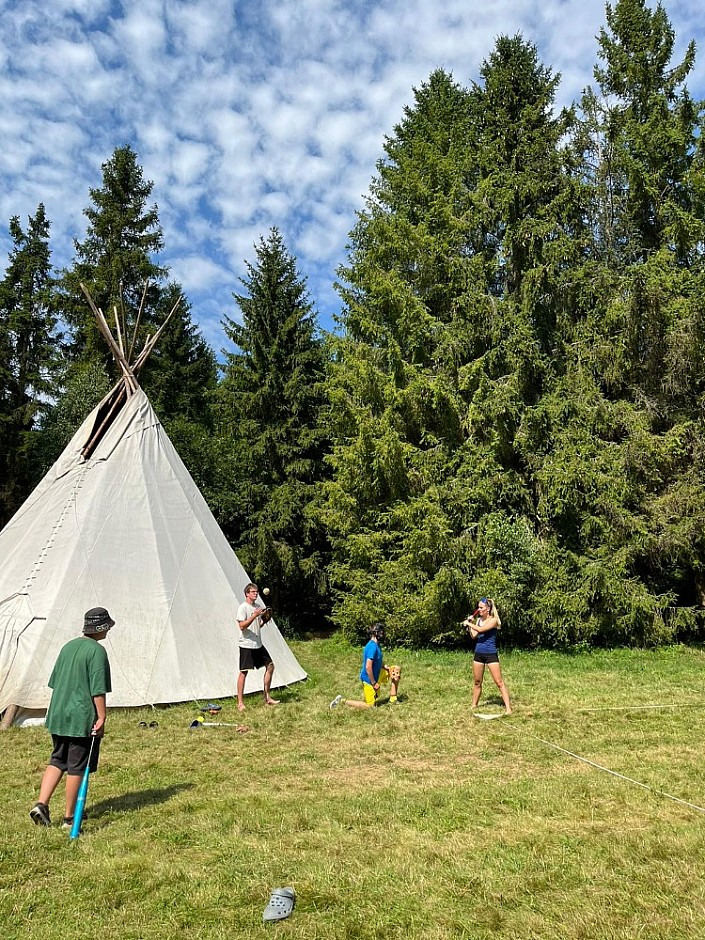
{"points": [[489, 624], [99, 725], [244, 624], [370, 674], [471, 624]]}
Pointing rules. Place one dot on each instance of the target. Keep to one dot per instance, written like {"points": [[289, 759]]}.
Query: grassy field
{"points": [[403, 822]]}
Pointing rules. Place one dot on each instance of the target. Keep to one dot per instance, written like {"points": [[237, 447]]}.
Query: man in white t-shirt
{"points": [[253, 655]]}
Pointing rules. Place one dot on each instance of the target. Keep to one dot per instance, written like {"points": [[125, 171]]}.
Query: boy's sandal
{"points": [[281, 904]]}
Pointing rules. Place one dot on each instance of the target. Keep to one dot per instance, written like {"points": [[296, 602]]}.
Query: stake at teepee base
{"points": [[119, 522]]}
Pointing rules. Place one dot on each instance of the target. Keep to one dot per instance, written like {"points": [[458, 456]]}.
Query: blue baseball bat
{"points": [[81, 799]]}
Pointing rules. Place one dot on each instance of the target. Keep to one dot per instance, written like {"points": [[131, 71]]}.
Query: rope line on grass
{"points": [[626, 708], [614, 773]]}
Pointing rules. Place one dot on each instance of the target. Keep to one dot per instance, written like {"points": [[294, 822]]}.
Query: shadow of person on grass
{"points": [[286, 695], [131, 802]]}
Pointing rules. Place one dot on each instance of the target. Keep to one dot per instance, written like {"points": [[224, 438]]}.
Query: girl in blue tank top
{"points": [[483, 626]]}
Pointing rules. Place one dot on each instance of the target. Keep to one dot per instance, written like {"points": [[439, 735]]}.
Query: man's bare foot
{"points": [[241, 706], [508, 711], [271, 701]]}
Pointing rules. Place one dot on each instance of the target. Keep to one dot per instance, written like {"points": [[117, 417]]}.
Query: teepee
{"points": [[118, 522]]}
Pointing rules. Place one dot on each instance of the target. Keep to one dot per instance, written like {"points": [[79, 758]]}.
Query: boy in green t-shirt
{"points": [[80, 680]]}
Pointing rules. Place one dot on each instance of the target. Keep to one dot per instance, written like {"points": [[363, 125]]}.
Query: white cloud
{"points": [[189, 162], [201, 29], [197, 274], [247, 115], [143, 36]]}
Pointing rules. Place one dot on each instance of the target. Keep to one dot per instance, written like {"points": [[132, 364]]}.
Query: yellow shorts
{"points": [[370, 694]]}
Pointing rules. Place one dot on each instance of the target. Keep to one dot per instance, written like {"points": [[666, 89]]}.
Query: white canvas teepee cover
{"points": [[126, 529]]}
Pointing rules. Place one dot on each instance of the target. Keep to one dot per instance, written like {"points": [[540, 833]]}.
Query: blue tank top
{"points": [[487, 642]]}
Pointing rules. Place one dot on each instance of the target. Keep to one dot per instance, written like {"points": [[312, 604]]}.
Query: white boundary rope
{"points": [[614, 773], [627, 708]]}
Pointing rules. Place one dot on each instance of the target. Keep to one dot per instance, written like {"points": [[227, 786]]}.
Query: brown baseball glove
{"points": [[266, 616]]}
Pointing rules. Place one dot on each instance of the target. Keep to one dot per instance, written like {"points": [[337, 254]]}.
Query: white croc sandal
{"points": [[281, 904]]}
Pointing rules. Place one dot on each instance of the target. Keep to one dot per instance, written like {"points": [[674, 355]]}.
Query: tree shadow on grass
{"points": [[134, 801]]}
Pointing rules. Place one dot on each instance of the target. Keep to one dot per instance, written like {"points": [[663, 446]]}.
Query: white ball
{"points": [[265, 591]]}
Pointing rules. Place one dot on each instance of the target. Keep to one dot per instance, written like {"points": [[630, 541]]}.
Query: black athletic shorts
{"points": [[71, 754], [485, 658], [253, 659]]}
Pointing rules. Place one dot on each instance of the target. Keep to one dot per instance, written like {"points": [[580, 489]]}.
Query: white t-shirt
{"points": [[249, 638]]}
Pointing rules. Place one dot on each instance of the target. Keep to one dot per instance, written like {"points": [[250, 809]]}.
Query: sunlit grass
{"points": [[408, 821]]}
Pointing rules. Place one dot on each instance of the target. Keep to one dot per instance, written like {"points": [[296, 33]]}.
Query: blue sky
{"points": [[248, 113]]}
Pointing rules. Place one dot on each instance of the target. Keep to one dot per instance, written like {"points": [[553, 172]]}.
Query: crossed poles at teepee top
{"points": [[128, 384]]}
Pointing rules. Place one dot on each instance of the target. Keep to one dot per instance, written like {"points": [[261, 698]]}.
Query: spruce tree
{"points": [[654, 123], [527, 203], [272, 430], [464, 239], [181, 375], [416, 299], [652, 233], [118, 262], [618, 437], [517, 391], [116, 259], [180, 380], [29, 352]]}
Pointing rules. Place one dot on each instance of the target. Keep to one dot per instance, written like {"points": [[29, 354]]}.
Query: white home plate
{"points": [[485, 717]]}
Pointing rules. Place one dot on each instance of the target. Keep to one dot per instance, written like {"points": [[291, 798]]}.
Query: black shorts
{"points": [[485, 658], [71, 754], [253, 659]]}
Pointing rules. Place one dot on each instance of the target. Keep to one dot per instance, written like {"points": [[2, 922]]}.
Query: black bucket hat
{"points": [[96, 620]]}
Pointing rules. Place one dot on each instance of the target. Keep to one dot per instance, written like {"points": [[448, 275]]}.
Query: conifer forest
{"points": [[511, 402]]}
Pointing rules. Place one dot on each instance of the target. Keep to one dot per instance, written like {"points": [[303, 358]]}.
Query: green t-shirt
{"points": [[81, 671]]}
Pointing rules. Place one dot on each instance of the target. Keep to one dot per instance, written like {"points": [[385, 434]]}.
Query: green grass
{"points": [[402, 822]]}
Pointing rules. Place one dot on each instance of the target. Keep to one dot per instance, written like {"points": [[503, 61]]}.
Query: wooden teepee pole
{"points": [[137, 321], [8, 717], [152, 341], [128, 384], [128, 375], [119, 331]]}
